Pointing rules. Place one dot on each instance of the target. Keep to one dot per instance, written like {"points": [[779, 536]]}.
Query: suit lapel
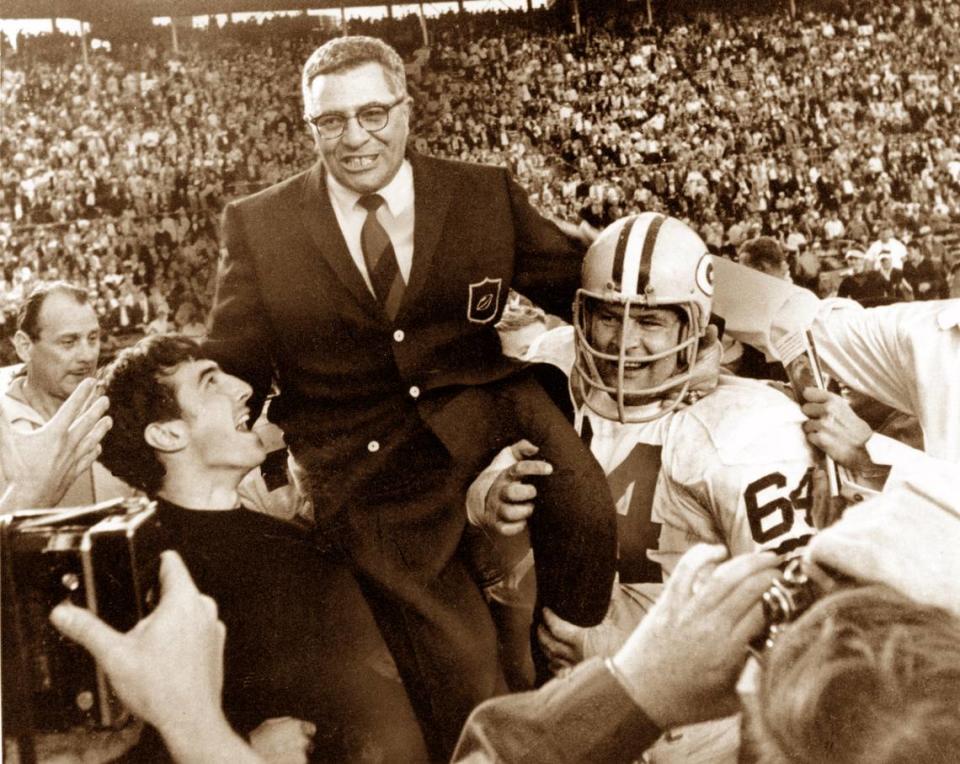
{"points": [[320, 220], [431, 199]]}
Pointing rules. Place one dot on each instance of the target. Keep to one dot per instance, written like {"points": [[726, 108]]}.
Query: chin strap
{"points": [[705, 373]]}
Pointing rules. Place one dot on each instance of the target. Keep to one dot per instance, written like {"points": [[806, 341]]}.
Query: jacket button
{"points": [[398, 335], [414, 392], [373, 446]]}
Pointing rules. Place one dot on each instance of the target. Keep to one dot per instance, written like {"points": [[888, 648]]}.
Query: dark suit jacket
{"points": [[292, 306], [391, 420]]}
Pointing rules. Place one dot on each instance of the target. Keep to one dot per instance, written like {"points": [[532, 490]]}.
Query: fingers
{"points": [[529, 468], [745, 607], [562, 630], [690, 566], [83, 462], [815, 395], [86, 629], [729, 581], [508, 512], [516, 493], [94, 434], [814, 410], [510, 501], [511, 529], [90, 420], [560, 653], [175, 580], [77, 403], [523, 449]]}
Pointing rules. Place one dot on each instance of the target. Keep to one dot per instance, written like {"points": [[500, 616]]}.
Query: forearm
{"points": [[209, 743], [584, 716]]}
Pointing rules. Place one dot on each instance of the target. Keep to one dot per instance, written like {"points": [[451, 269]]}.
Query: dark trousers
{"points": [[401, 527]]}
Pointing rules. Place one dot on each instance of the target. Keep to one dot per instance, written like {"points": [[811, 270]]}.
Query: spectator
{"points": [[161, 324], [926, 277], [863, 283], [887, 245], [895, 287], [764, 254], [955, 281], [58, 340]]}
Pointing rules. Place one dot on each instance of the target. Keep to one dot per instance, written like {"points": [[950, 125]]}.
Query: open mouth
{"points": [[356, 164], [243, 424], [635, 365]]}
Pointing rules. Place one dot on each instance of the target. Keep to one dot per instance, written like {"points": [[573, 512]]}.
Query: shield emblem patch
{"points": [[484, 300]]}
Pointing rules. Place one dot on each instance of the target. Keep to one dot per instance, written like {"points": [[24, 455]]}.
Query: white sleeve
{"points": [[869, 351], [865, 350], [906, 355]]}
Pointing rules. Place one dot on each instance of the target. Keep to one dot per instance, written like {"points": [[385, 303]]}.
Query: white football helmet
{"points": [[648, 260]]}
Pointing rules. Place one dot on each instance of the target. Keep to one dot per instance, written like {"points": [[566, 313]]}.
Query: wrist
{"points": [[192, 741], [17, 496], [630, 676]]}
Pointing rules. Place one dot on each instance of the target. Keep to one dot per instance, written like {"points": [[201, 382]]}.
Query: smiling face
{"points": [[643, 332], [213, 406], [361, 160]]}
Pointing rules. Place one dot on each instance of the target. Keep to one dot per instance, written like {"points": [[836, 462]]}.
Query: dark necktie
{"points": [[380, 258]]}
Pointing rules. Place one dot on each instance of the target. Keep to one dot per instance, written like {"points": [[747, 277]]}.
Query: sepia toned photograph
{"points": [[516, 381]]}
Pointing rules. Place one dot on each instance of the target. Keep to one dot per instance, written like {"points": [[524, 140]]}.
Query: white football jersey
{"points": [[734, 468], [737, 470]]}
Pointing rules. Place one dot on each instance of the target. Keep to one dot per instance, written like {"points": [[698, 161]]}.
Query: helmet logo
{"points": [[483, 301], [705, 275]]}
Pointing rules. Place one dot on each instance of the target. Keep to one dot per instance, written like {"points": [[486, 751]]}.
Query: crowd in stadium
{"points": [[550, 439], [818, 131]]}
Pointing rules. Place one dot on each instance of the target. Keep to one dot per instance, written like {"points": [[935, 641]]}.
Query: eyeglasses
{"points": [[371, 118]]}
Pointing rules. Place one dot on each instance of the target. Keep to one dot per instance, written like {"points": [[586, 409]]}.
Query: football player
{"points": [[691, 455]]}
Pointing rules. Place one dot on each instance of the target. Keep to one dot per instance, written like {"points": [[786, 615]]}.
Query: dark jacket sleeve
{"points": [[584, 716], [239, 336], [548, 261]]}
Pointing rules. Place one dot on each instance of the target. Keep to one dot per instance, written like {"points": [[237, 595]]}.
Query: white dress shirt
{"points": [[395, 215]]}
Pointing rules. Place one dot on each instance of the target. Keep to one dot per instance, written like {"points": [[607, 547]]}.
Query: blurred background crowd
{"points": [[835, 133]]}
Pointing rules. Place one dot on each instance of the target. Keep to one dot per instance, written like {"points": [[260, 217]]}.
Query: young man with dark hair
{"points": [[299, 634]]}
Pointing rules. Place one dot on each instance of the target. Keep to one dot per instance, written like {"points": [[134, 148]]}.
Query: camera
{"points": [[786, 600], [105, 558]]}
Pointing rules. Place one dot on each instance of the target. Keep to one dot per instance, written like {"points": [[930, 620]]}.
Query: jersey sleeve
{"points": [[866, 350]]}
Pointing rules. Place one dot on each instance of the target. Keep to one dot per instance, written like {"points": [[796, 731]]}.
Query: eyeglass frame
{"points": [[312, 121]]}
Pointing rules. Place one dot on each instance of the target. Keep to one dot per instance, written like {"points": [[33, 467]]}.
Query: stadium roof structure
{"points": [[91, 10]]}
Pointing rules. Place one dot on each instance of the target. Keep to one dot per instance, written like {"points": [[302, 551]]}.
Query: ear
{"points": [[167, 437], [23, 345]]}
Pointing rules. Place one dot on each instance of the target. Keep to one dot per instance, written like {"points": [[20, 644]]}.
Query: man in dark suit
{"points": [[895, 286], [368, 288]]}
